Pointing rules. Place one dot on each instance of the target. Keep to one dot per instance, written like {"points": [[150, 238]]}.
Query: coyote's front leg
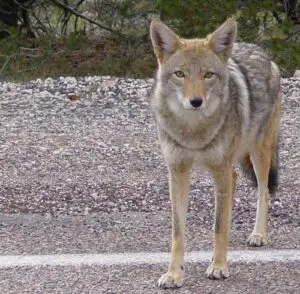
{"points": [[225, 178], [179, 188]]}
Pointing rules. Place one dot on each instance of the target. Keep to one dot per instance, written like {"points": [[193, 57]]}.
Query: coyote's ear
{"points": [[222, 39], [165, 42]]}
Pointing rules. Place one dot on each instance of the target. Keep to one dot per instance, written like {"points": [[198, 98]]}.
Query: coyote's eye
{"points": [[208, 75], [179, 74]]}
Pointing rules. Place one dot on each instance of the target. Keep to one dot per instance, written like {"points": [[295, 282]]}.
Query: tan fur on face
{"points": [[195, 45], [195, 59], [197, 49], [194, 87]]}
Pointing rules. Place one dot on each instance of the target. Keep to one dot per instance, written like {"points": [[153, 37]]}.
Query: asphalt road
{"points": [[86, 176]]}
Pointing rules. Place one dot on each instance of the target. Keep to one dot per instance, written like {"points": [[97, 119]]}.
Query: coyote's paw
{"points": [[215, 272], [170, 280], [256, 240]]}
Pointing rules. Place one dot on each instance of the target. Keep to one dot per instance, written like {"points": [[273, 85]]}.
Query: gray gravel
{"points": [[100, 153], [279, 278], [122, 232], [87, 176]]}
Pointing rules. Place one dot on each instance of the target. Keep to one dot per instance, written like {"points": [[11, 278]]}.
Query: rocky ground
{"points": [[99, 153], [81, 171]]}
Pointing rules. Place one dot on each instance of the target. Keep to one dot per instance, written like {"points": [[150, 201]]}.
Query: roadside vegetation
{"points": [[52, 38]]}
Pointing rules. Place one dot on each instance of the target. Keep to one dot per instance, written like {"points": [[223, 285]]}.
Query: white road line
{"points": [[7, 261]]}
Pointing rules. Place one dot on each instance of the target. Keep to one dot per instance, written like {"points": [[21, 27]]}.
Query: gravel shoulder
{"points": [[100, 153]]}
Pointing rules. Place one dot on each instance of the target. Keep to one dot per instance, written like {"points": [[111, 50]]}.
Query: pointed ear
{"points": [[164, 41], [222, 39]]}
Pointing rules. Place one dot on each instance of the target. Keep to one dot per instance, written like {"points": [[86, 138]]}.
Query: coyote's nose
{"points": [[196, 102]]}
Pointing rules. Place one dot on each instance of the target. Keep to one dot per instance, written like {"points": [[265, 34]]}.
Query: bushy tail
{"points": [[273, 172], [248, 170]]}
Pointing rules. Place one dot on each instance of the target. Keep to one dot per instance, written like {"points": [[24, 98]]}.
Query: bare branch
{"points": [[73, 11], [46, 28]]}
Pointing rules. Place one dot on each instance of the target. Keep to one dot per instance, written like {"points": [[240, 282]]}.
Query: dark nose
{"points": [[196, 102]]}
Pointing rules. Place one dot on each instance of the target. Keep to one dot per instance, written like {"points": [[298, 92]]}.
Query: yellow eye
{"points": [[208, 75], [179, 74]]}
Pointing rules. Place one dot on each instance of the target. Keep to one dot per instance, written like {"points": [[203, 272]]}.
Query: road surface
{"points": [[84, 198]]}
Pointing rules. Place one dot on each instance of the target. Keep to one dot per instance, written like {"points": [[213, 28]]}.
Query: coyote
{"points": [[216, 103]]}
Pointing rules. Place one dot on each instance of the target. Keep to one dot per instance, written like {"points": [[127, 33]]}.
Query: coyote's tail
{"points": [[248, 170]]}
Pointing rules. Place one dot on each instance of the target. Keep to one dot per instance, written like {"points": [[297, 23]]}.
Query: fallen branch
{"points": [[291, 35], [30, 52]]}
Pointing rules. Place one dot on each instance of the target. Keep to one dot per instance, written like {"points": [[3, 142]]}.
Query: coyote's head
{"points": [[193, 71]]}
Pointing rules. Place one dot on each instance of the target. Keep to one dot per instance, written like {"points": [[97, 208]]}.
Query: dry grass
{"points": [[48, 57], [23, 59]]}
